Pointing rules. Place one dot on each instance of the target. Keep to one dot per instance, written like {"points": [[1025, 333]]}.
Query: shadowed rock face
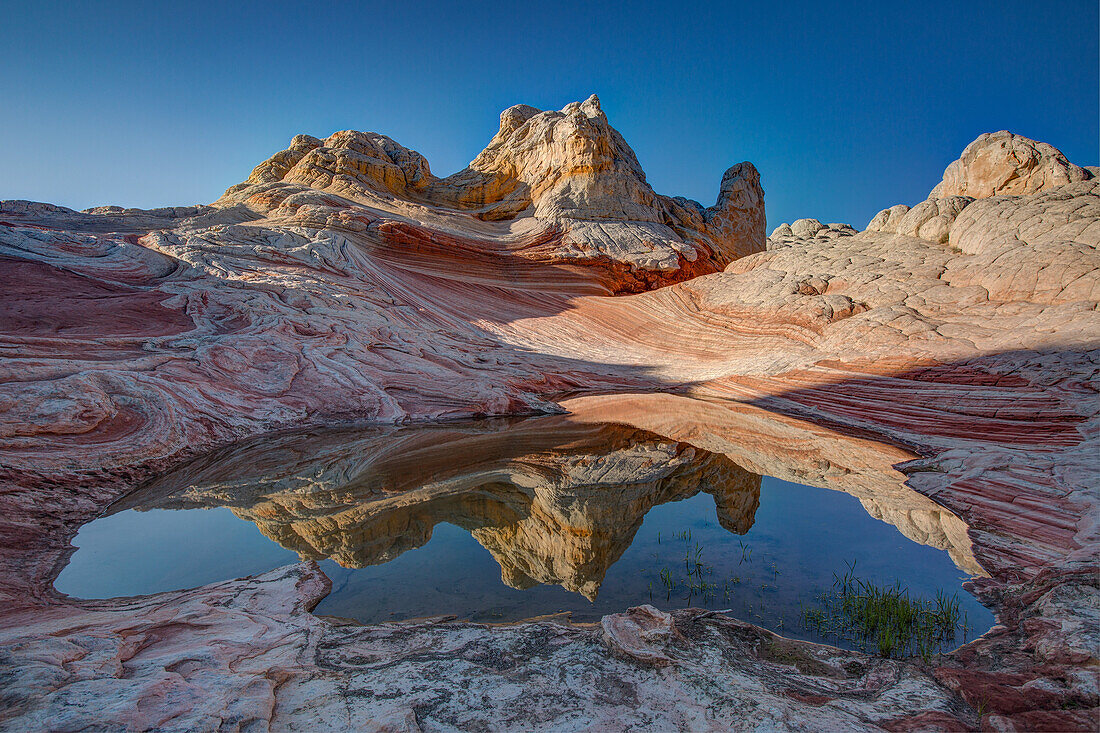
{"points": [[554, 500]]}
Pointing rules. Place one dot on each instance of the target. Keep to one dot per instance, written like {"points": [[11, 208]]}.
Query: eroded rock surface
{"points": [[343, 281], [1003, 163], [564, 180], [996, 164]]}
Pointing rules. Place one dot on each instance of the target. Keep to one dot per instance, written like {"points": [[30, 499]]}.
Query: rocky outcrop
{"points": [[641, 634], [996, 164], [931, 219], [1030, 237], [1001, 163], [567, 172], [807, 229], [1039, 249], [361, 288]]}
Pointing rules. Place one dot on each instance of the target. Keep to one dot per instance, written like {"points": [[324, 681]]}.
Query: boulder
{"points": [[1004, 163]]}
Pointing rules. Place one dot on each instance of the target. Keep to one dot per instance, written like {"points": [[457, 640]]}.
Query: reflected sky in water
{"points": [[799, 536]]}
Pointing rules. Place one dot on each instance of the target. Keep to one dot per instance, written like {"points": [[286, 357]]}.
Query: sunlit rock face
{"points": [[340, 267], [554, 500], [1002, 163], [562, 187]]}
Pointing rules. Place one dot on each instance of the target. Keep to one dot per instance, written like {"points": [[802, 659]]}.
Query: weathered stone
{"points": [[567, 172], [887, 219], [1003, 163], [806, 227], [930, 219], [640, 633], [365, 289]]}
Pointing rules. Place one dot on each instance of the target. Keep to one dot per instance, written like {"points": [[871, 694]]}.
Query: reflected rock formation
{"points": [[556, 501], [796, 450]]}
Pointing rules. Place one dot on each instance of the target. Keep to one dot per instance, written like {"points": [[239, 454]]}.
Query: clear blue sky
{"points": [[845, 108]]}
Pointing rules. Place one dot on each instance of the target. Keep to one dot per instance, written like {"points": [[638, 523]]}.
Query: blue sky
{"points": [[845, 108]]}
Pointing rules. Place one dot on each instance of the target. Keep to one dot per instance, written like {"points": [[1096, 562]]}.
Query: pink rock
{"points": [[640, 633], [343, 281]]}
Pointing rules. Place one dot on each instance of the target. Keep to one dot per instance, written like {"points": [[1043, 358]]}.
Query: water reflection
{"points": [[585, 513], [554, 500]]}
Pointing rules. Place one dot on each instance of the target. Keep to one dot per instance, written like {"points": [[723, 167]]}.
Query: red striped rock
{"points": [[343, 281]]}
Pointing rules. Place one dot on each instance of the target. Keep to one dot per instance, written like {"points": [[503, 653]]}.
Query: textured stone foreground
{"points": [[956, 342]]}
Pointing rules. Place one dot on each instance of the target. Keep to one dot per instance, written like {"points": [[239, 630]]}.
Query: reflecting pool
{"points": [[506, 519]]}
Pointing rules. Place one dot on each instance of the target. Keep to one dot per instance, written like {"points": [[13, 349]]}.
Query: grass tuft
{"points": [[884, 618]]}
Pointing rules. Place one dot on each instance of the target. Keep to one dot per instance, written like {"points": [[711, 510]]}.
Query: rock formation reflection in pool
{"points": [[504, 519]]}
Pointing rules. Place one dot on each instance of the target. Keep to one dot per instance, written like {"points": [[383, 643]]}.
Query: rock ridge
{"points": [[569, 171]]}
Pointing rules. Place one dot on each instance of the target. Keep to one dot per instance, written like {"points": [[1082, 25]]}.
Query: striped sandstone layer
{"points": [[342, 281]]}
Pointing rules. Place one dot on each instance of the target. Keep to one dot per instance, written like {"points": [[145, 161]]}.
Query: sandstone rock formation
{"points": [[640, 634], [931, 219], [996, 164], [343, 282], [1001, 163], [568, 173]]}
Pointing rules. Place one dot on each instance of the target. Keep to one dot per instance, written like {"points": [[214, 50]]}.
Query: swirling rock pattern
{"points": [[568, 173], [343, 281]]}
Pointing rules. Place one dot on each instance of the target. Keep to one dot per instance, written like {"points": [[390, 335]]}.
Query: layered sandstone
{"points": [[343, 281], [566, 180]]}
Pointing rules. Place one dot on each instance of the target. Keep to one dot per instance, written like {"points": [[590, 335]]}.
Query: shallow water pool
{"points": [[511, 519]]}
